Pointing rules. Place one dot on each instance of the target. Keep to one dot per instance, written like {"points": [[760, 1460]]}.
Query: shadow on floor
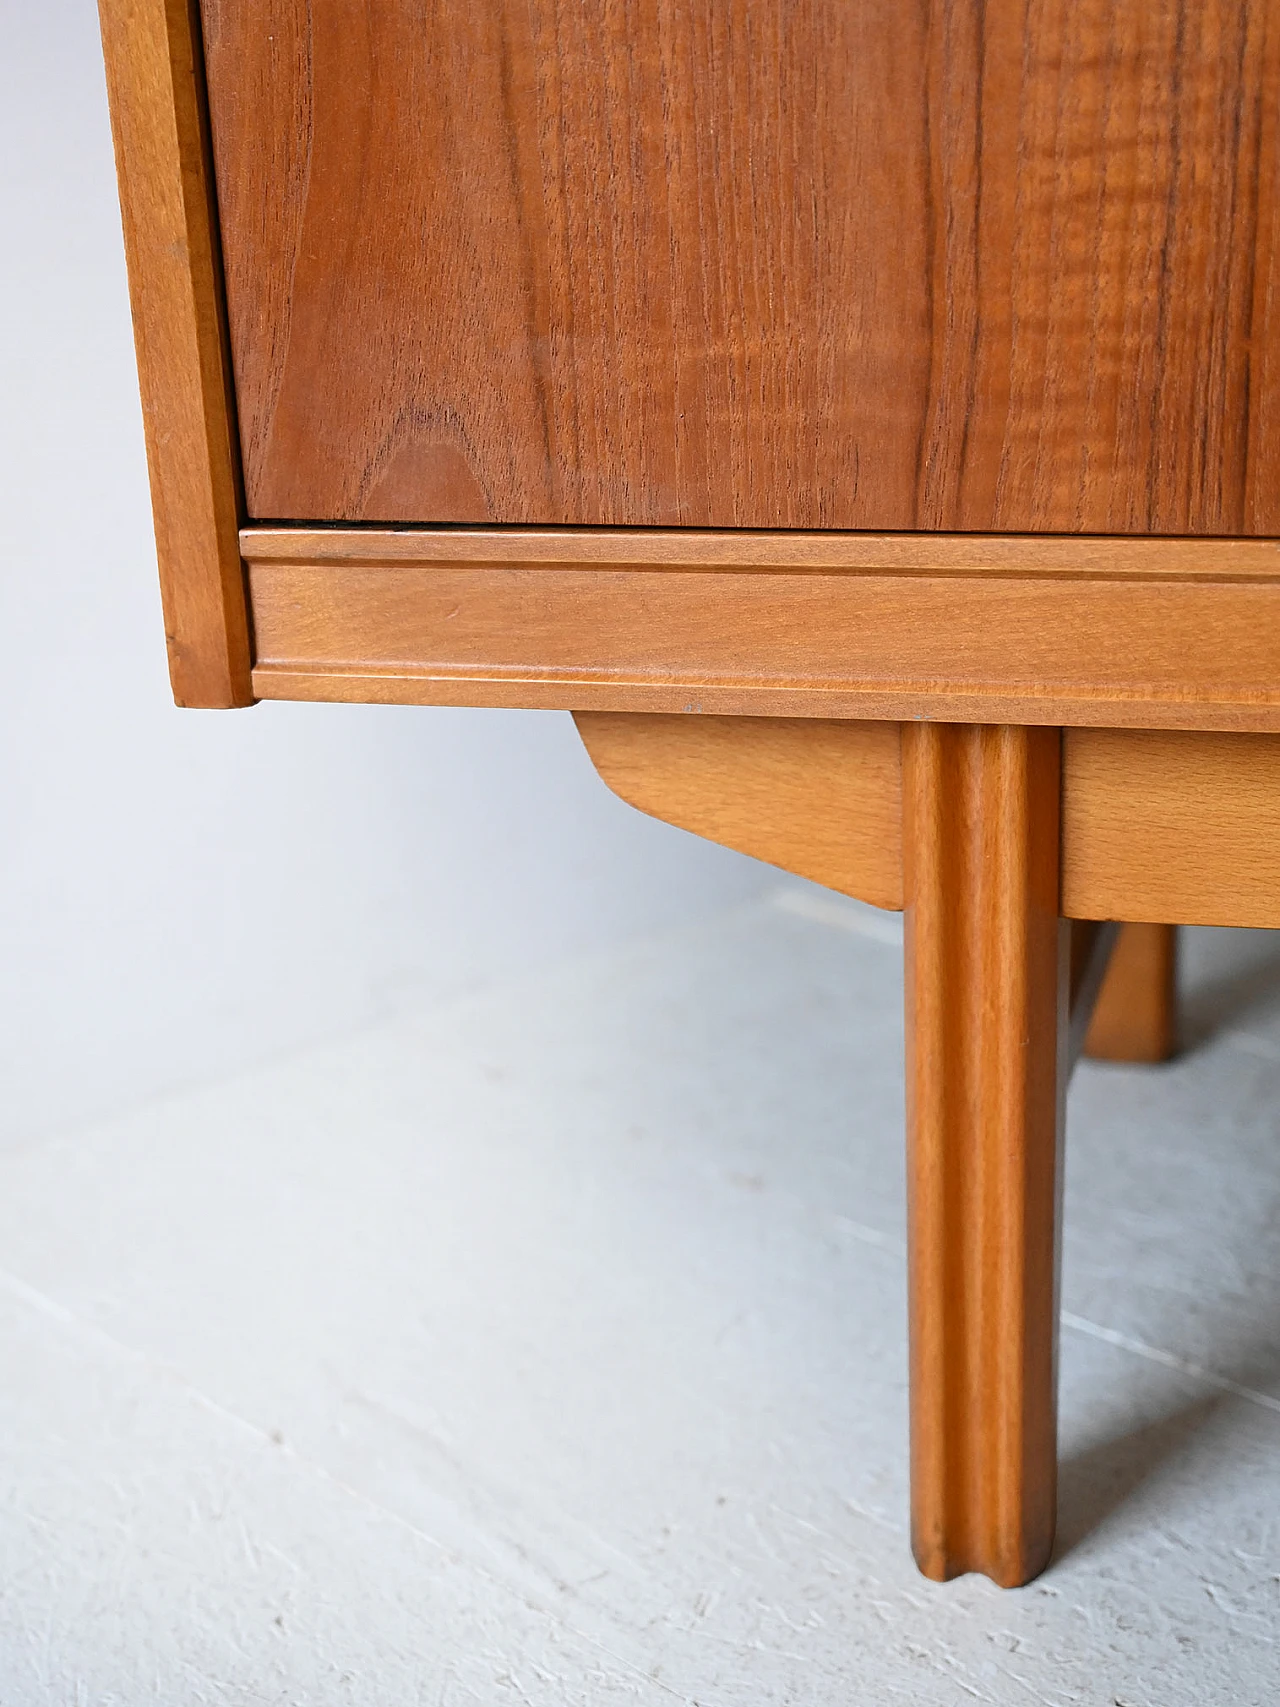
{"points": [[1093, 1484], [1096, 1481], [1230, 980], [1218, 997]]}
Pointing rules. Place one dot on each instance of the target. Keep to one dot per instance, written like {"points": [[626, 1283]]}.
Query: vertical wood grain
{"points": [[986, 1005], [565, 262], [155, 83], [1136, 1014], [966, 264]]}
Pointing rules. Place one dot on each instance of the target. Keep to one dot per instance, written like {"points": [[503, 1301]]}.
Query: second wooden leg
{"points": [[986, 1008], [1136, 1016]]}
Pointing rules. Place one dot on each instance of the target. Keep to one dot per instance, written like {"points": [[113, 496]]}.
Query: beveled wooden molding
{"points": [[986, 968], [1115, 633], [819, 798], [155, 85], [1136, 1015], [1075, 557]]}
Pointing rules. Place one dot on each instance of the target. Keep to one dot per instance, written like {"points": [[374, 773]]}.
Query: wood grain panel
{"points": [[986, 1004], [674, 622], [1168, 829], [817, 798], [966, 264], [152, 50]]}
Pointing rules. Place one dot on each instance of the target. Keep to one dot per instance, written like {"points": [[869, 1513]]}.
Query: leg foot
{"points": [[986, 1005]]}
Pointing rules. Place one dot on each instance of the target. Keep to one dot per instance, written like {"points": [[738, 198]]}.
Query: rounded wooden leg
{"points": [[986, 1009]]}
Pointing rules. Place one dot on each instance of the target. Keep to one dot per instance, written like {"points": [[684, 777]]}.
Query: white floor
{"points": [[549, 1348]]}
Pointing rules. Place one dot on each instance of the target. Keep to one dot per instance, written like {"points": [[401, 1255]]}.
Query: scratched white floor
{"points": [[548, 1348]]}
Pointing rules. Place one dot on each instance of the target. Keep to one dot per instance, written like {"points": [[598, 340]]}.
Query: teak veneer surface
{"points": [[955, 265]]}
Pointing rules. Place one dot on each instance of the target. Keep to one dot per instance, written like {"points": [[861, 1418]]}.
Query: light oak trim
{"points": [[986, 1003], [155, 85], [1117, 633], [820, 799], [1136, 1015], [1167, 828]]}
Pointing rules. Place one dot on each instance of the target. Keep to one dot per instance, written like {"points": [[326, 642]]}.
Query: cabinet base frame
{"points": [[989, 835]]}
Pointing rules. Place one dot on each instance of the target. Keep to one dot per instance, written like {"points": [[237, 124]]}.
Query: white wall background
{"points": [[182, 893]]}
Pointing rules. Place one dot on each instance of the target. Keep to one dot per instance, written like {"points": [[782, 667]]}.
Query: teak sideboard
{"points": [[864, 417]]}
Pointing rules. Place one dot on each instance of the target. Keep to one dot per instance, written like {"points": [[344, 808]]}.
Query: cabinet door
{"points": [[959, 264]]}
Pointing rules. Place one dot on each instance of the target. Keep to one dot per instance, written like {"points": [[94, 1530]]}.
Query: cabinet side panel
{"points": [[154, 79]]}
